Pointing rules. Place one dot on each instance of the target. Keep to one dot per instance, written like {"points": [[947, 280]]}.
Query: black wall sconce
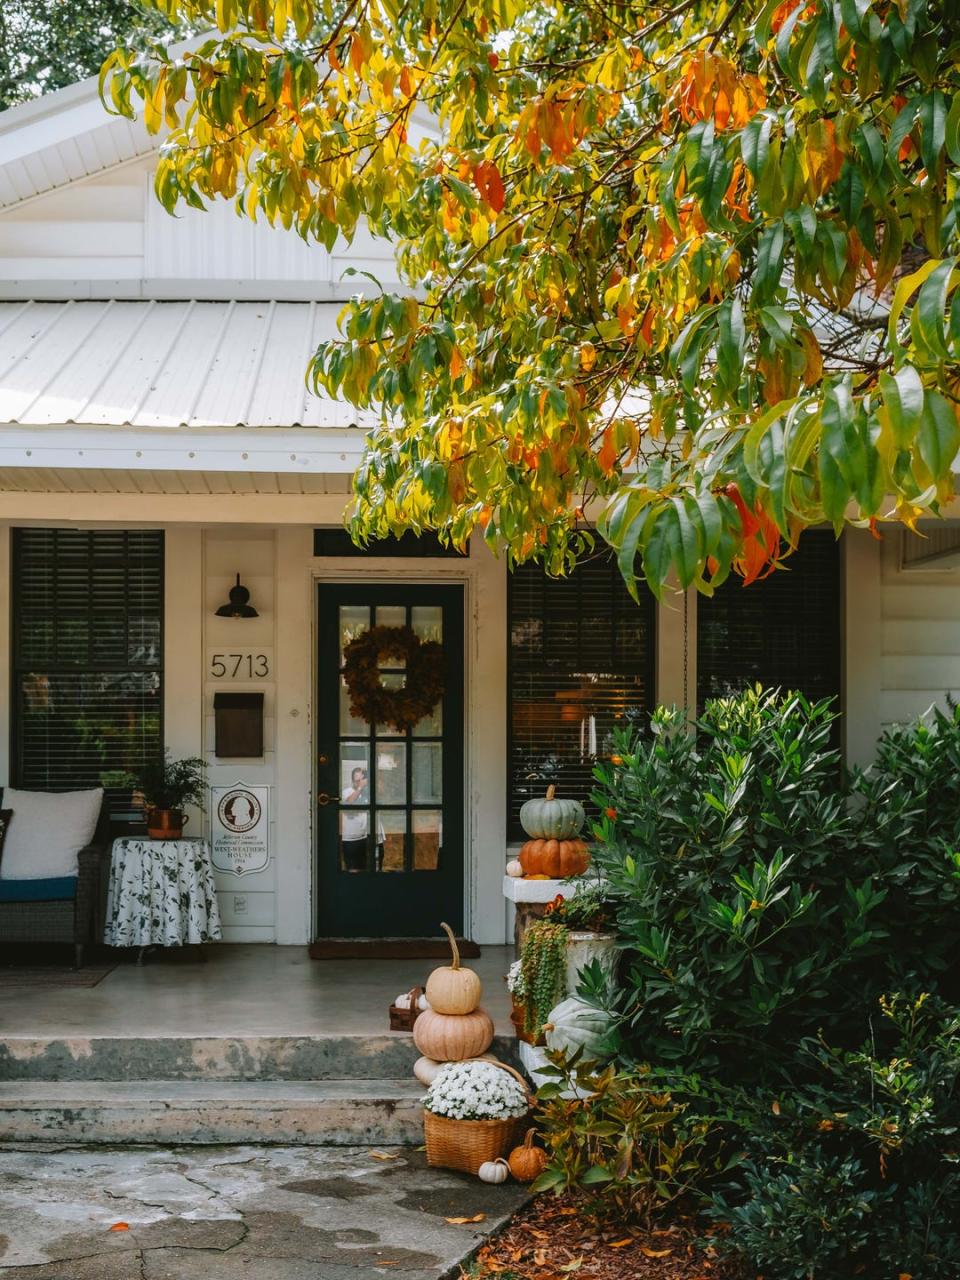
{"points": [[239, 605]]}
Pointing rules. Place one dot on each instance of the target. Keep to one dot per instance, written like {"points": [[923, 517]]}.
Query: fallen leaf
{"points": [[575, 1265], [540, 1257], [120, 1226], [569, 1213], [621, 1244], [383, 1155], [457, 1222], [654, 1253]]}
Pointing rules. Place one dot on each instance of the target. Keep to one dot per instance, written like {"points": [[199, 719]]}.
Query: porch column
{"points": [[676, 641]]}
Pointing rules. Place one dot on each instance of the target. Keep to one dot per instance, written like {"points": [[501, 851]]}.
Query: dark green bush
{"points": [[766, 905]]}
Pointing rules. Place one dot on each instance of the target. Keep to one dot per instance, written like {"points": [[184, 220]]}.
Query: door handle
{"points": [[323, 798]]}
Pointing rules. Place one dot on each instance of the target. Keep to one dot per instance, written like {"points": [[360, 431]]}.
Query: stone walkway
{"points": [[222, 1213]]}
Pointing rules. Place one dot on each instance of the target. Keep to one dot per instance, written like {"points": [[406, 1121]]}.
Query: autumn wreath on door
{"points": [[422, 689]]}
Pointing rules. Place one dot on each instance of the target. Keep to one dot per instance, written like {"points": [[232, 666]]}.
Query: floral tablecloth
{"points": [[161, 893]]}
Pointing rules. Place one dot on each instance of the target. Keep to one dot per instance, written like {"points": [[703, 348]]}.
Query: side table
{"points": [[161, 893]]}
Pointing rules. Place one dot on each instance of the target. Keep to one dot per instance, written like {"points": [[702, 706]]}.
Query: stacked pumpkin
{"points": [[554, 850], [453, 1027]]}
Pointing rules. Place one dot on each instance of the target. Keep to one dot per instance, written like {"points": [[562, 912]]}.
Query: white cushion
{"points": [[47, 831]]}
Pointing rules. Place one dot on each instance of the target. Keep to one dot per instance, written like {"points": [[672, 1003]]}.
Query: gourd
{"points": [[551, 818], [425, 1069], [451, 989], [527, 1162], [554, 859], [574, 1024], [422, 1003], [494, 1171], [453, 1037], [402, 1001], [515, 868]]}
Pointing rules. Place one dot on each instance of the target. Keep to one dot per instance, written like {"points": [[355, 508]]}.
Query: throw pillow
{"points": [[5, 816], [50, 830]]}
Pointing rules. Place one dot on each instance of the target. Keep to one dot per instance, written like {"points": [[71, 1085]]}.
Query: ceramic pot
{"points": [[518, 1018], [166, 824], [584, 946]]}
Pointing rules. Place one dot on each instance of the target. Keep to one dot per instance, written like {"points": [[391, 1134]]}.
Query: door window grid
{"points": [[388, 821]]}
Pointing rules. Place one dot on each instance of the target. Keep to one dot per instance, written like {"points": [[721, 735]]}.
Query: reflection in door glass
{"points": [[427, 621], [354, 620], [356, 849], [391, 772], [427, 763], [392, 843], [427, 839]]}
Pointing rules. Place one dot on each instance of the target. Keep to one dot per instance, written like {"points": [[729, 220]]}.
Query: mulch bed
{"points": [[552, 1239]]}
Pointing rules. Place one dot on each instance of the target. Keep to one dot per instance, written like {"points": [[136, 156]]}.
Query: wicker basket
{"points": [[467, 1144], [403, 1019]]}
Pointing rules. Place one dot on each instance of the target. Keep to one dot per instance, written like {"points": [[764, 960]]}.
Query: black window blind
{"points": [[783, 631], [87, 655], [581, 663]]}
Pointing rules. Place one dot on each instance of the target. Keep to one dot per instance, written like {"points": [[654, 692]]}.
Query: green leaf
{"points": [[769, 263], [933, 121], [904, 291], [903, 400], [939, 435], [952, 130], [927, 321]]}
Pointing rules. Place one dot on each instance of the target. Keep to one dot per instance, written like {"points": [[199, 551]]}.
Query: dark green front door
{"points": [[389, 803]]}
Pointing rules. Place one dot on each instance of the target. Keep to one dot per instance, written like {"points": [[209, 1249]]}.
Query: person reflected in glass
{"points": [[355, 826]]}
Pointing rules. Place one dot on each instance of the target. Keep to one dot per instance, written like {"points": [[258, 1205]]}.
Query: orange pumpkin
{"points": [[527, 1162], [555, 859]]}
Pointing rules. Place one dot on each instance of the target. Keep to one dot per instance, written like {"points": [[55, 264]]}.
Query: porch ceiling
{"points": [[92, 480]]}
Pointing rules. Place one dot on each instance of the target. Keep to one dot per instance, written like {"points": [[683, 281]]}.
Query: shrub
{"points": [[627, 1144]]}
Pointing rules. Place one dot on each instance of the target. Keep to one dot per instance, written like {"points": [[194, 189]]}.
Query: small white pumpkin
{"points": [[423, 1003], [425, 1069], [494, 1171], [402, 1001], [514, 868]]}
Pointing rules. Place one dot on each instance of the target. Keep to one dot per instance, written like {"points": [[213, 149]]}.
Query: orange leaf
{"points": [[406, 82], [621, 1244], [607, 457], [655, 1253], [457, 1222], [457, 365], [120, 1226]]}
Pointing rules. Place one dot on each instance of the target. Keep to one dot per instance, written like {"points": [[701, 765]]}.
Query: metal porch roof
{"points": [[165, 364]]}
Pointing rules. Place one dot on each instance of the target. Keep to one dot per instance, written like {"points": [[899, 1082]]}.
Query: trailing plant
{"points": [[543, 962], [174, 784], [620, 1138]]}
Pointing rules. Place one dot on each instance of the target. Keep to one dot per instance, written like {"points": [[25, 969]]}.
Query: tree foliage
{"points": [[47, 44], [688, 267]]}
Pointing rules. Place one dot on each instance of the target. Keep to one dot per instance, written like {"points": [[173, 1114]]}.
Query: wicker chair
{"points": [[70, 916]]}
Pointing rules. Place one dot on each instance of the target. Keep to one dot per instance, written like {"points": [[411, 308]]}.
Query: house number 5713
{"points": [[239, 666]]}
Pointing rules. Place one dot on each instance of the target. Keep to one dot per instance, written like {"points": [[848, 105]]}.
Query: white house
{"points": [[157, 439]]}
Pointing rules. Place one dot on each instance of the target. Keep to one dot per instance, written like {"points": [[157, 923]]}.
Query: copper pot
{"points": [[166, 824]]}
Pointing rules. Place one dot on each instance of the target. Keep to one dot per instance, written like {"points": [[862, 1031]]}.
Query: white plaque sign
{"points": [[240, 828]]}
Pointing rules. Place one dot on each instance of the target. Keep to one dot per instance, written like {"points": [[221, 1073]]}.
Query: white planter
{"points": [[533, 1059], [582, 947]]}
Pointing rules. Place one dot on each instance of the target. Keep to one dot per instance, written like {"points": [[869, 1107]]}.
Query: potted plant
{"points": [[572, 934], [168, 787], [473, 1112]]}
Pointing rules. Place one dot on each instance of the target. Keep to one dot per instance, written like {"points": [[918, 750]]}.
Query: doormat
{"points": [[389, 949], [49, 976]]}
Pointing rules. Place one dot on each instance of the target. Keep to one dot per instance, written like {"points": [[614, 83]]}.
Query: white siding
{"points": [[920, 652]]}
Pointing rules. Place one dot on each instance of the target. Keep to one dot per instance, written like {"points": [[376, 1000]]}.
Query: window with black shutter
{"points": [[581, 664], [783, 631], [87, 655]]}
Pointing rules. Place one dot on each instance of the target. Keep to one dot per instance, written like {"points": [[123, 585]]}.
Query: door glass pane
{"points": [[354, 773], [431, 726], [427, 762], [350, 725], [391, 680], [392, 772], [427, 839], [391, 615], [391, 840], [356, 847], [354, 620], [427, 621]]}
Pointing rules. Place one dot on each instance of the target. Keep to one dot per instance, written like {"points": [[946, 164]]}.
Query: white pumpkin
{"points": [[574, 1024], [402, 1001], [494, 1171], [515, 868], [423, 1003], [425, 1069]]}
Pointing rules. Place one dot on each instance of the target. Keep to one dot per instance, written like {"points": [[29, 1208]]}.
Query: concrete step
{"points": [[211, 1058], [308, 1112]]}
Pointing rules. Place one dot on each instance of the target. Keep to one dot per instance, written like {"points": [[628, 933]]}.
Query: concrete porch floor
{"points": [[239, 989]]}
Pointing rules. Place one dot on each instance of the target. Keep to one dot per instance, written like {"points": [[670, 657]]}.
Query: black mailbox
{"points": [[239, 721]]}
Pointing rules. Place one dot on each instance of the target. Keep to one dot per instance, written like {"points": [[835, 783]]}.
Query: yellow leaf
{"points": [[621, 1244], [775, 1107], [655, 1253], [477, 1217], [383, 1155]]}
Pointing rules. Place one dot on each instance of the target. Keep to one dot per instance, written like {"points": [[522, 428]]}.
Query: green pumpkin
{"points": [[552, 819], [574, 1024]]}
